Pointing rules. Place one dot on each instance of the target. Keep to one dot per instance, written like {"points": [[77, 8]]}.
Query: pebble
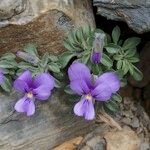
{"points": [[145, 146], [135, 122]]}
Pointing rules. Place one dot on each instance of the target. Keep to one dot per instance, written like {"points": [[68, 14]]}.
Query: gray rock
{"points": [[96, 143], [9, 8], [24, 11], [135, 13], [135, 122], [145, 146], [44, 23], [52, 124]]}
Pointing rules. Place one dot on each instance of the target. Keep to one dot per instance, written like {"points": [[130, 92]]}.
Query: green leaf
{"points": [[111, 107], [119, 64], [68, 46], [59, 76], [8, 56], [7, 64], [120, 42], [134, 59], [117, 57], [116, 34], [57, 83], [45, 59], [11, 72], [131, 69], [106, 61], [112, 48], [5, 71], [84, 59], [117, 97], [24, 65], [130, 52], [125, 66], [53, 58], [31, 49], [137, 74], [108, 39], [68, 90], [6, 85], [95, 69], [131, 43], [65, 58], [54, 67]]}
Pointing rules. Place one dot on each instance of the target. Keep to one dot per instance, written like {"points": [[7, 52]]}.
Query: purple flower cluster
{"points": [[38, 88], [81, 82]]}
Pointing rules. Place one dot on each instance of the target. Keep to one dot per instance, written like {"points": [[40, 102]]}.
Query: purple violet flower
{"points": [[101, 89], [1, 76], [98, 45], [96, 57], [40, 88]]}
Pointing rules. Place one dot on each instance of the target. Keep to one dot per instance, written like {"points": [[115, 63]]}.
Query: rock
{"points": [[23, 11], [144, 146], [122, 140], [126, 121], [144, 67], [94, 140], [10, 8], [135, 122], [43, 23], [135, 13], [96, 143], [69, 145], [53, 123]]}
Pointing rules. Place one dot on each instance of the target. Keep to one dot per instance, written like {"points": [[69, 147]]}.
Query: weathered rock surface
{"points": [[44, 23], [123, 140], [52, 124], [70, 144], [131, 135], [135, 13], [23, 11]]}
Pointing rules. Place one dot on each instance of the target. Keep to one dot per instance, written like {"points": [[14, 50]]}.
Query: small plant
{"points": [[100, 65], [36, 63], [8, 67], [110, 54]]}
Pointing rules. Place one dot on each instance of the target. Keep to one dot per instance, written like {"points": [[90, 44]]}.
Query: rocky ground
{"points": [[130, 130]]}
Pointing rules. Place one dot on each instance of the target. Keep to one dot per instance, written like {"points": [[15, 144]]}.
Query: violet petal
{"points": [[30, 107], [80, 78], [110, 79], [19, 106], [79, 86], [85, 108], [44, 79], [78, 108], [42, 92], [102, 92], [26, 77], [21, 86], [79, 71], [89, 112]]}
